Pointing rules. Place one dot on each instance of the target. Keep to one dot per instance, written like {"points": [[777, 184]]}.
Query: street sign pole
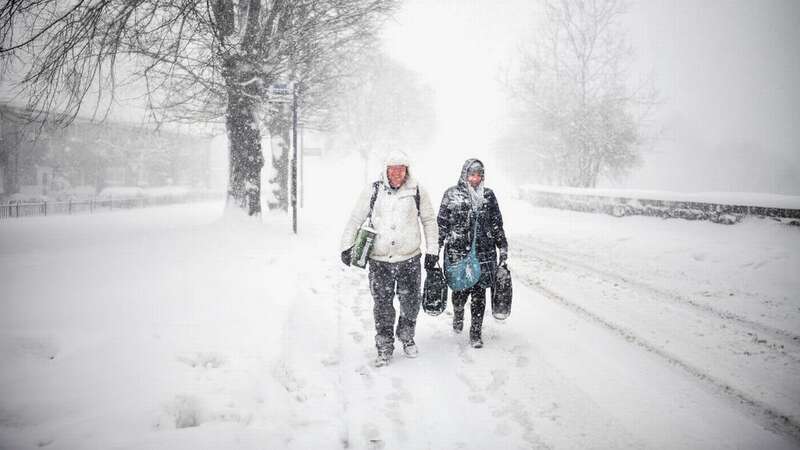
{"points": [[286, 93], [302, 167], [294, 158]]}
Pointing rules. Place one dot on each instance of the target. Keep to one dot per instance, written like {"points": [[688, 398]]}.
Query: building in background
{"points": [[86, 157]]}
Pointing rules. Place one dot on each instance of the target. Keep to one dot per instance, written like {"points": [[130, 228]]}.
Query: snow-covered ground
{"points": [[175, 327]]}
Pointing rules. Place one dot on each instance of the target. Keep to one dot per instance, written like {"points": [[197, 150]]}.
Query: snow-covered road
{"points": [[170, 328]]}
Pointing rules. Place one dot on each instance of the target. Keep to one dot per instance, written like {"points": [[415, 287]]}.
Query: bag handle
{"points": [[475, 232]]}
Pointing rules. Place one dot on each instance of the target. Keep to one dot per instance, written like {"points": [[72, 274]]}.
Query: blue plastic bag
{"points": [[465, 273]]}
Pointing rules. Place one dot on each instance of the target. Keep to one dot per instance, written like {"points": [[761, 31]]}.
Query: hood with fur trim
{"points": [[395, 158]]}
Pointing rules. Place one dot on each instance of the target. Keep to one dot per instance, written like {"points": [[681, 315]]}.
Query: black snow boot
{"points": [[410, 348], [477, 307], [383, 358], [475, 340], [458, 319]]}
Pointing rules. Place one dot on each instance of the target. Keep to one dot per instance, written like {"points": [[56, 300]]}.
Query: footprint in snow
{"points": [[499, 379], [284, 375], [202, 360], [463, 353], [38, 347], [518, 351], [477, 398], [372, 435], [365, 374], [330, 361], [357, 337], [470, 384], [502, 429], [45, 442], [184, 411], [400, 393]]}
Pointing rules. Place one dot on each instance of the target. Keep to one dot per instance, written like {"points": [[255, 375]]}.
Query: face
{"points": [[396, 175], [474, 179]]}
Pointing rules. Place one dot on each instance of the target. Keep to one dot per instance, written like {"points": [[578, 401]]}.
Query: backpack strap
{"points": [[416, 199], [475, 231], [375, 186]]}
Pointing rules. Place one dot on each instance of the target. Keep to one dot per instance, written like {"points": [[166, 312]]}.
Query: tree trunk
{"points": [[280, 126], [595, 175], [246, 159]]}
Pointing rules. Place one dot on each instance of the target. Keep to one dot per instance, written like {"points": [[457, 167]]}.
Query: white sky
{"points": [[458, 47], [726, 70]]}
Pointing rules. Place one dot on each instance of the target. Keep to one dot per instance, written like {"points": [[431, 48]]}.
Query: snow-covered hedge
{"points": [[726, 208]]}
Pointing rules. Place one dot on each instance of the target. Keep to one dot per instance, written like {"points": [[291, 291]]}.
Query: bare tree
{"points": [[198, 60], [319, 88], [385, 106], [576, 113]]}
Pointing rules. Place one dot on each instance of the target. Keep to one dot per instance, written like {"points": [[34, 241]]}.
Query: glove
{"points": [[430, 261], [346, 256], [501, 260]]}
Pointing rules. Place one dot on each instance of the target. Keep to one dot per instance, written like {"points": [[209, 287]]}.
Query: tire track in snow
{"points": [[777, 334], [763, 412]]}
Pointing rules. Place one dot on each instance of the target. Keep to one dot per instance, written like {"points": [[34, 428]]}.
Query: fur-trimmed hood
{"points": [[397, 158]]}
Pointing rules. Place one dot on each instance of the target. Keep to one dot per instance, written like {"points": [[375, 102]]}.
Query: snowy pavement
{"points": [[175, 328]]}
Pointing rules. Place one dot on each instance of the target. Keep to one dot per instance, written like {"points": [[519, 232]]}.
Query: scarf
{"points": [[476, 196]]}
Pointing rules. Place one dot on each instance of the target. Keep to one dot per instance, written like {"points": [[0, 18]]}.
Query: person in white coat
{"points": [[401, 204]]}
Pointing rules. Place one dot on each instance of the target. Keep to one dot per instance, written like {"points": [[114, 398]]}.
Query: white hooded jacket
{"points": [[395, 218]]}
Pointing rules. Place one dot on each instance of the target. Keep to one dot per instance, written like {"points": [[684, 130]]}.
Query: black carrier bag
{"points": [[501, 293], [434, 294]]}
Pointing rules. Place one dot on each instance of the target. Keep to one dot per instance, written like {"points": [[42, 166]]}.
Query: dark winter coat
{"points": [[456, 221]]}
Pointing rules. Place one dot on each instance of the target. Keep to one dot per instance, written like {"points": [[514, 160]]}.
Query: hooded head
{"points": [[396, 169], [472, 167], [472, 180]]}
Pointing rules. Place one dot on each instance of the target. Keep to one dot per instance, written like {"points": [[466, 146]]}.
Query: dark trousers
{"points": [[477, 307], [385, 280]]}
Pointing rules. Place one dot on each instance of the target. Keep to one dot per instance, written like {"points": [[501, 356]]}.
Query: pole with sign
{"points": [[287, 93], [294, 158]]}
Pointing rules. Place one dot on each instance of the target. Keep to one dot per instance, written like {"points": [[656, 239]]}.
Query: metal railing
{"points": [[16, 209]]}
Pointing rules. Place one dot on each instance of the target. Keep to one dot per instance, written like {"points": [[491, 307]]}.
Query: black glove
{"points": [[501, 260], [430, 261], [346, 256]]}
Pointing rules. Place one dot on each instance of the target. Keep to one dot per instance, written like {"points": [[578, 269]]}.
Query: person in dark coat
{"points": [[461, 206]]}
